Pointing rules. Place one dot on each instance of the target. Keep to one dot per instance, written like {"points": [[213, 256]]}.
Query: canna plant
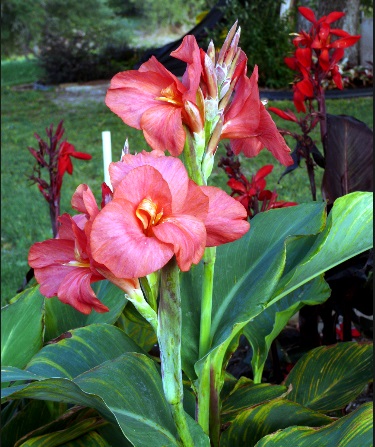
{"points": [[345, 140], [56, 159], [141, 302]]}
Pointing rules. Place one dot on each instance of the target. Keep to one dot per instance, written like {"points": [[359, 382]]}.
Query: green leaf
{"points": [[247, 394], [246, 274], [61, 317], [353, 430], [83, 350], [29, 416], [127, 391], [281, 252], [253, 424], [22, 326], [12, 374], [349, 231], [138, 329], [68, 434], [329, 377], [92, 439], [266, 326]]}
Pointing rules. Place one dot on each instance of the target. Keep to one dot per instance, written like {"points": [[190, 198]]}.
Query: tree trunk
{"points": [[350, 22]]}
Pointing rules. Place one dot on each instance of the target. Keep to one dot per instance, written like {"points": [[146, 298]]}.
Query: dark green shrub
{"points": [[81, 58]]}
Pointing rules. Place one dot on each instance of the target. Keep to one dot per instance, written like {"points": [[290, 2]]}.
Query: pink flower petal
{"points": [[84, 201], [225, 221], [118, 242], [242, 118], [52, 251], [172, 170], [188, 236], [195, 203], [162, 128], [131, 93], [76, 291], [189, 52], [145, 182]]}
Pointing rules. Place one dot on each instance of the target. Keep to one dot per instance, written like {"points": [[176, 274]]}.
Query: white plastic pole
{"points": [[107, 155]]}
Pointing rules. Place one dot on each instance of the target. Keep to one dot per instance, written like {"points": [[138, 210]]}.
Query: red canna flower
{"points": [[66, 151], [249, 126], [156, 213], [154, 100], [64, 266], [318, 43], [251, 194]]}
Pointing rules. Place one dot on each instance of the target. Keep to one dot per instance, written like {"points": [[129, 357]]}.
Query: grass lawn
{"points": [[25, 214]]}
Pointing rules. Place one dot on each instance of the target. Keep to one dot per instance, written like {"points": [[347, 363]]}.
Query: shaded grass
{"points": [[25, 215], [20, 71]]}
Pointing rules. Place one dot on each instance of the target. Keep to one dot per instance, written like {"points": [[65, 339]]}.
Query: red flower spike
{"points": [[307, 13], [66, 151], [287, 115], [334, 16], [345, 42]]}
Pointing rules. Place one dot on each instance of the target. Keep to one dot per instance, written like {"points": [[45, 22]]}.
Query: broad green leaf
{"points": [[267, 325], [127, 391], [246, 274], [70, 422], [349, 231], [329, 377], [252, 425], [69, 434], [22, 327], [12, 374], [246, 395], [92, 439], [27, 418], [138, 329], [61, 317], [83, 350], [353, 430]]}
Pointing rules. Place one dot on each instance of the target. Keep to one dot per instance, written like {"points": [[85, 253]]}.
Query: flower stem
{"points": [[136, 297], [169, 338], [190, 161], [205, 338]]}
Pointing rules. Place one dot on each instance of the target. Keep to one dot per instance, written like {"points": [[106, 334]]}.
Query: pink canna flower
{"points": [[249, 126], [156, 213], [64, 266], [154, 100]]}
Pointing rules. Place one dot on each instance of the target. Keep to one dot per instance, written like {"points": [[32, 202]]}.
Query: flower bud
{"points": [[210, 76], [193, 116], [226, 44]]}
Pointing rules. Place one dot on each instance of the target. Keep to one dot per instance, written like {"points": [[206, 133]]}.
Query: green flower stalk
{"points": [[169, 337]]}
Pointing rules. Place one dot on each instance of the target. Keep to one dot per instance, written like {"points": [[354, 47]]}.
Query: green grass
{"points": [[20, 71], [25, 215]]}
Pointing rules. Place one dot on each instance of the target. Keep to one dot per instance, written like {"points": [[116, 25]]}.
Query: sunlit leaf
{"points": [[252, 425], [22, 326], [353, 430], [329, 377]]}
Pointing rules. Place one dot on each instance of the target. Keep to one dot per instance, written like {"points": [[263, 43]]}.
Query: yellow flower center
{"points": [[148, 215], [169, 95]]}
